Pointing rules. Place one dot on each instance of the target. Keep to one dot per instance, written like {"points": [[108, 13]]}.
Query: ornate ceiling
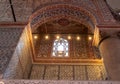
{"points": [[63, 26]]}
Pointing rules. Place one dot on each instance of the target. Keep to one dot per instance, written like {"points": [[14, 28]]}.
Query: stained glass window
{"points": [[60, 48]]}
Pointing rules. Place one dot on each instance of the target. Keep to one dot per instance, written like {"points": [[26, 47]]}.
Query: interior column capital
{"points": [[101, 34]]}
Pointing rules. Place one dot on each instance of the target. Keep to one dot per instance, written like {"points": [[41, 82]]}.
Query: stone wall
{"points": [[5, 11], [68, 72], [20, 63], [9, 38], [22, 10]]}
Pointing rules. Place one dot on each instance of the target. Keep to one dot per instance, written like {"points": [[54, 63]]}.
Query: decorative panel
{"points": [[45, 47], [103, 72], [66, 72], [80, 73], [77, 49], [94, 73], [37, 72], [51, 72]]}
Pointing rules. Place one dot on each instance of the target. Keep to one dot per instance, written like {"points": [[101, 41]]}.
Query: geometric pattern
{"points": [[20, 60], [81, 49], [8, 41], [94, 73], [68, 72], [60, 48], [51, 69], [37, 72], [80, 72]]}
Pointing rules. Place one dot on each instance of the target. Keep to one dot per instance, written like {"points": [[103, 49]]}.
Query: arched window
{"points": [[60, 48]]}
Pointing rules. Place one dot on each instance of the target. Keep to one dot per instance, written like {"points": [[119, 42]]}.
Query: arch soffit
{"points": [[54, 12]]}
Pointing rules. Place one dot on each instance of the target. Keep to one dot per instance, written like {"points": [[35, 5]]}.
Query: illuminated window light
{"points": [[57, 37], [90, 37], [60, 48], [69, 37], [78, 38], [46, 37], [35, 37]]}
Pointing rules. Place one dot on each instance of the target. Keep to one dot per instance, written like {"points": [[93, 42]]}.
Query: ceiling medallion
{"points": [[63, 22]]}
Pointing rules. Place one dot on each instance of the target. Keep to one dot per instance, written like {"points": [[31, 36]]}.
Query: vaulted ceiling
{"points": [[63, 26]]}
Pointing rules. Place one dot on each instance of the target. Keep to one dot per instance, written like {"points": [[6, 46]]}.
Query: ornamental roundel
{"points": [[63, 22]]}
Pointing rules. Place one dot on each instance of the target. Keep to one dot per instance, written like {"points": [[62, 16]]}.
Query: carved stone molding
{"points": [[114, 34], [58, 11], [106, 34], [101, 34], [56, 82]]}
